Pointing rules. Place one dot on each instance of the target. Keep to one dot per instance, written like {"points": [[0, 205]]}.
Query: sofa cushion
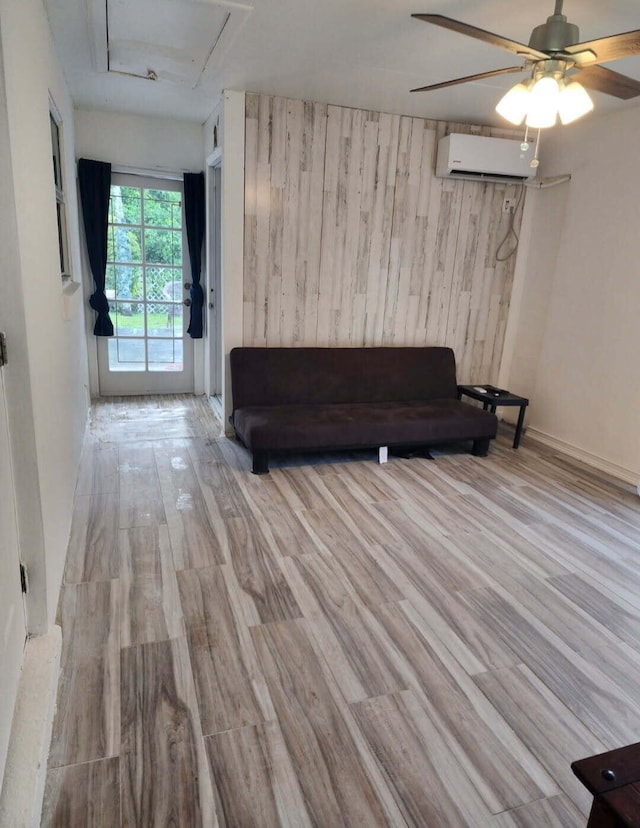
{"points": [[352, 425], [320, 376]]}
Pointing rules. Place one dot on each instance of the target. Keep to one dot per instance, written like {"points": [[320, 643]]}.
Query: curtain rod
{"points": [[157, 172]]}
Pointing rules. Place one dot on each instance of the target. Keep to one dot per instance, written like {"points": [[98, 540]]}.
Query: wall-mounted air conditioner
{"points": [[477, 157]]}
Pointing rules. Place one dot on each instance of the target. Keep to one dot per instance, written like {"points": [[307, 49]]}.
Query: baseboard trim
{"points": [[26, 768], [613, 469]]}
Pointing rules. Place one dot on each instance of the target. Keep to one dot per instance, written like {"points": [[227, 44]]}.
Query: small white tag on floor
{"points": [[383, 454]]}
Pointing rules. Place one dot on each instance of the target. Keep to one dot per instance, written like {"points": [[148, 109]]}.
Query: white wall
{"points": [[532, 287], [578, 338], [139, 141], [161, 145], [47, 375]]}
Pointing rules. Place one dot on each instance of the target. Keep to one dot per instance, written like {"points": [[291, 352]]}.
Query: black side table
{"points": [[491, 401], [612, 778]]}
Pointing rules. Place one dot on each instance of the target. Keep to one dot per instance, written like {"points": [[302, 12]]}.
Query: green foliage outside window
{"points": [[145, 228]]}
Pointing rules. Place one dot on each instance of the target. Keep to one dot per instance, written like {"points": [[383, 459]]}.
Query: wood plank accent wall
{"points": [[350, 239]]}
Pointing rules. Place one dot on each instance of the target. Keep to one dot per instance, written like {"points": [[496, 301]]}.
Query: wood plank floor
{"points": [[424, 643]]}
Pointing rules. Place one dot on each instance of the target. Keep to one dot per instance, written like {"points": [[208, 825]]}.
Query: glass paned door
{"points": [[146, 258]]}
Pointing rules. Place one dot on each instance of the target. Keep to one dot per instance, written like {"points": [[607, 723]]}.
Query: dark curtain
{"points": [[194, 214], [94, 178]]}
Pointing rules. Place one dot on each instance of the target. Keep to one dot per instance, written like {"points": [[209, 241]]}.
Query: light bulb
{"points": [[543, 103], [513, 106], [574, 102]]}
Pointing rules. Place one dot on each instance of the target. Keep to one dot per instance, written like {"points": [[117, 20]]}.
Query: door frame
{"points": [[214, 351], [13, 625], [149, 382]]}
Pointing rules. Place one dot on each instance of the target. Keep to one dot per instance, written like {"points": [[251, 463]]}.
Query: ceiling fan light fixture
{"points": [[514, 105], [554, 50], [543, 103], [574, 102]]}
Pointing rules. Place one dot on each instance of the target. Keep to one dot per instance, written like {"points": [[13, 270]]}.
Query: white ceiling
{"points": [[363, 53]]}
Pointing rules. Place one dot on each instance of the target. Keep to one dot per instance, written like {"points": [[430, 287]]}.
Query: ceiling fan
{"points": [[553, 56]]}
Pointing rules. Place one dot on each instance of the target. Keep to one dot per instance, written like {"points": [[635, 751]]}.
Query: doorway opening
{"points": [[147, 265]]}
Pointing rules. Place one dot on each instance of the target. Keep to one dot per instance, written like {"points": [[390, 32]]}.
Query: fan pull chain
{"points": [[534, 161], [524, 146]]}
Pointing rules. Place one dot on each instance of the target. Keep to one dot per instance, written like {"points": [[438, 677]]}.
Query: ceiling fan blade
{"points": [[481, 34], [469, 78], [604, 49], [612, 83]]}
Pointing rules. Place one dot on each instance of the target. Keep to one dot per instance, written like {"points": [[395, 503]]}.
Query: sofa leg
{"points": [[481, 447], [260, 462]]}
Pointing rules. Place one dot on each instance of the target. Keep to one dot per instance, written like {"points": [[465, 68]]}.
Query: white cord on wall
{"points": [[511, 231], [542, 184]]}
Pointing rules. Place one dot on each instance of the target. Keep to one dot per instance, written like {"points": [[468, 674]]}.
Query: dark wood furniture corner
{"points": [[614, 780], [492, 402]]}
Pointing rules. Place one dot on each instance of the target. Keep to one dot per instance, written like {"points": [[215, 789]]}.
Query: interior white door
{"points": [[13, 630], [147, 269]]}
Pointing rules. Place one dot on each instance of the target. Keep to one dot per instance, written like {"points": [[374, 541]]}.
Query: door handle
{"points": [[187, 285], [186, 303]]}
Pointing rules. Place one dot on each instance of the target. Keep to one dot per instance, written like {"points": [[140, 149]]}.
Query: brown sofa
{"points": [[307, 399]]}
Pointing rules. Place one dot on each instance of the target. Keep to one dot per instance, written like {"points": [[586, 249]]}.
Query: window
{"points": [[144, 278], [63, 245]]}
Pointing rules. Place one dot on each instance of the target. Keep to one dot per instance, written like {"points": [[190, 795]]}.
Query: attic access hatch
{"points": [[179, 41], [478, 157]]}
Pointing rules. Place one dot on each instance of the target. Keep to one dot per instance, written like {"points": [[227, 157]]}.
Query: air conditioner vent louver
{"points": [[471, 174]]}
